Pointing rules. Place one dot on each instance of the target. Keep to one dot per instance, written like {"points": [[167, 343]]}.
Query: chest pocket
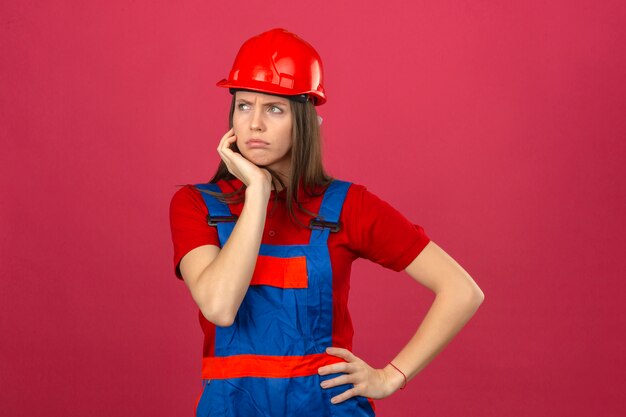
{"points": [[279, 308], [281, 272]]}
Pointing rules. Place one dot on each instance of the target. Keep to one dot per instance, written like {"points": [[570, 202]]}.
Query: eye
{"points": [[243, 106], [275, 109]]}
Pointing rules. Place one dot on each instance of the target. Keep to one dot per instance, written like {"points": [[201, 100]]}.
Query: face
{"points": [[263, 124]]}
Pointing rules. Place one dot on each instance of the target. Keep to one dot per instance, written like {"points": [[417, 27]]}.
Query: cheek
{"points": [[287, 143], [286, 134], [237, 128]]}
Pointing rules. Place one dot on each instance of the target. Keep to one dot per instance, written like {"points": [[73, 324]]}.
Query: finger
{"points": [[226, 157], [231, 132], [224, 150], [344, 396], [334, 382], [335, 368], [228, 146], [344, 354], [227, 136], [226, 142]]}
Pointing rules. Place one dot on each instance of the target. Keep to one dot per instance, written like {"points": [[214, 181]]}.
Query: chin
{"points": [[258, 161]]}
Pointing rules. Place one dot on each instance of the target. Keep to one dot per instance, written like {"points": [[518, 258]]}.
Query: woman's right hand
{"points": [[250, 174]]}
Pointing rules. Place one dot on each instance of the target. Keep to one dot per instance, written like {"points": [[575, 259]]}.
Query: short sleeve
{"points": [[379, 232], [188, 222]]}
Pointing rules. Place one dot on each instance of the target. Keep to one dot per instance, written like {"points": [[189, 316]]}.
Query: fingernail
{"points": [[324, 384]]}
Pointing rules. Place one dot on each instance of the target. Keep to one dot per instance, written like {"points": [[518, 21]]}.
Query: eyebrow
{"points": [[273, 103]]}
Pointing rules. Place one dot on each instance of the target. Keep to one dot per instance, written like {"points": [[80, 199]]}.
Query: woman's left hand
{"points": [[368, 382]]}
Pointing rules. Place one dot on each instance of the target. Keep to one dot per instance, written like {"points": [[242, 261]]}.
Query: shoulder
{"points": [[355, 197], [378, 231], [229, 186], [359, 194], [356, 189], [358, 205], [365, 208], [185, 196], [190, 195], [353, 188]]}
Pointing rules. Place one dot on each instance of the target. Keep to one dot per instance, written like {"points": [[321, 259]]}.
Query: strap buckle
{"points": [[214, 220], [322, 224]]}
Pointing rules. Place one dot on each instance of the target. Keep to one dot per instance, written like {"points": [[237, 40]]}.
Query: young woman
{"points": [[266, 247]]}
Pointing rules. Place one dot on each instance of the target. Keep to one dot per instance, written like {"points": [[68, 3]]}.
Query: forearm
{"points": [[450, 311], [447, 315], [224, 282]]}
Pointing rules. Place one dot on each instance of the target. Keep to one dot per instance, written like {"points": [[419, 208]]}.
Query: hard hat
{"points": [[278, 62]]}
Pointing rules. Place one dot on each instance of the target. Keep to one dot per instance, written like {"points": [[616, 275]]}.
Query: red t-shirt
{"points": [[371, 229]]}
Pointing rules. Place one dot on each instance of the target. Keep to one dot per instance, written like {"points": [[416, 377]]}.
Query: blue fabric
{"points": [[330, 209], [217, 208], [282, 322], [277, 397]]}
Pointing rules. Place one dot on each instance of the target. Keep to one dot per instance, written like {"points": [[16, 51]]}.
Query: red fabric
{"points": [[371, 229], [280, 272], [263, 366]]}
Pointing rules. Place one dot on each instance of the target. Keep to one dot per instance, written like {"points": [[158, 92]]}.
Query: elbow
{"points": [[224, 321], [470, 296], [221, 317], [215, 309], [479, 297], [476, 296], [474, 292]]}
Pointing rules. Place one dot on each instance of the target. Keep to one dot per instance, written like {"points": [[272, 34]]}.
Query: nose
{"points": [[257, 119]]}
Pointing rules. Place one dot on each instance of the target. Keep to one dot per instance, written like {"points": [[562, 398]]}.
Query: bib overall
{"points": [[265, 363]]}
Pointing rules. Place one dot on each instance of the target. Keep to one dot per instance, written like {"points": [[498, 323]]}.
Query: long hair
{"points": [[307, 169]]}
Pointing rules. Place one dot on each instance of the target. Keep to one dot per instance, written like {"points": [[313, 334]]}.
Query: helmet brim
{"points": [[268, 88]]}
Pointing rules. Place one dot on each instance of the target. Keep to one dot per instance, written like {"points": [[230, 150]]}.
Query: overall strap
{"points": [[328, 218], [219, 212]]}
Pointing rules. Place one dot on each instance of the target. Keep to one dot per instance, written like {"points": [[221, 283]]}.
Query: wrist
{"points": [[259, 189], [397, 378]]}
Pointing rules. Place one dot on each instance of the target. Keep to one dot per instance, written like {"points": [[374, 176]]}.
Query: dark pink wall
{"points": [[498, 126]]}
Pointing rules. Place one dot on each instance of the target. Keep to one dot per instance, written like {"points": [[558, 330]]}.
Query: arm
{"points": [[457, 299], [218, 279]]}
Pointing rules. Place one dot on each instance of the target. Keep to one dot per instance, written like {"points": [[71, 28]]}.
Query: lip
{"points": [[256, 143]]}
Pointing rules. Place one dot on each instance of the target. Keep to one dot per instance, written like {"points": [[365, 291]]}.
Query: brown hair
{"points": [[307, 168]]}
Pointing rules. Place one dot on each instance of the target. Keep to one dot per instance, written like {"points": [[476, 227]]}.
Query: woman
{"points": [[270, 268]]}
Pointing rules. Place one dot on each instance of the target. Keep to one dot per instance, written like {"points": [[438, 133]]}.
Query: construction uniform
{"points": [[266, 363]]}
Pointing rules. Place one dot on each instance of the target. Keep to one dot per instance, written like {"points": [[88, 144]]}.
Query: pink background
{"points": [[498, 126]]}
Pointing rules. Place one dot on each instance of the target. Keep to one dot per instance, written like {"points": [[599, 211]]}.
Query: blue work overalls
{"points": [[266, 362]]}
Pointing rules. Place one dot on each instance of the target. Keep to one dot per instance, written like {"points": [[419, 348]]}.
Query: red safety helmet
{"points": [[278, 62]]}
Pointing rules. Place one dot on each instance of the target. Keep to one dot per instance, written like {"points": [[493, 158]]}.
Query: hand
{"points": [[368, 382], [239, 166]]}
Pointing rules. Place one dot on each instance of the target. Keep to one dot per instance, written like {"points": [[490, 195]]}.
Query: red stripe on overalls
{"points": [[237, 366]]}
